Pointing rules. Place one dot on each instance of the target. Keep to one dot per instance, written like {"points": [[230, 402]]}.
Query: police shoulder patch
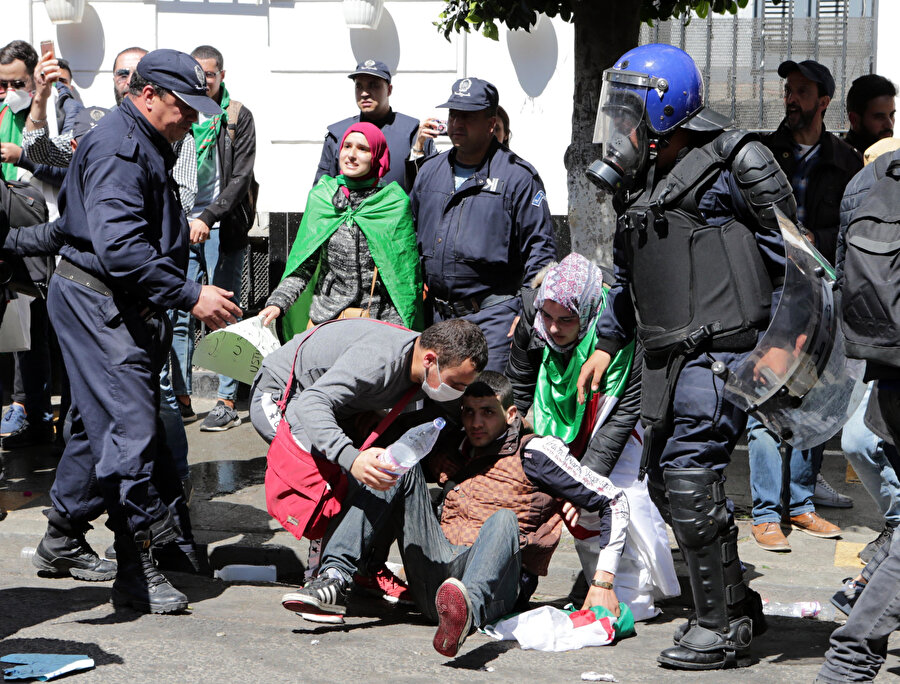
{"points": [[538, 198]]}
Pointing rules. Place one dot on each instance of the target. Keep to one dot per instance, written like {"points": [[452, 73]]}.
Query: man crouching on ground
{"points": [[500, 510]]}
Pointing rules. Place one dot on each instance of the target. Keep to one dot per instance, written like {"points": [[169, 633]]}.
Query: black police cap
{"points": [[180, 73]]}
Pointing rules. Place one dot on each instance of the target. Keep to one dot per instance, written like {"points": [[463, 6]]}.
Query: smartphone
{"points": [[47, 46]]}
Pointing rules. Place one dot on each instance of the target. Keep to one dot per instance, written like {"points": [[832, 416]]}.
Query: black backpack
{"points": [[870, 304], [21, 205]]}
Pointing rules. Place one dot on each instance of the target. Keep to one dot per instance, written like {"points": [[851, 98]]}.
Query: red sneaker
{"points": [[454, 617], [386, 585]]}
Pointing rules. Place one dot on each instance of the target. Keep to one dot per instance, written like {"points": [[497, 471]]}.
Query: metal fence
{"points": [[739, 58]]}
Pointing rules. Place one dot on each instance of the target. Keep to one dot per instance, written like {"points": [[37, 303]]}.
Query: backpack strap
{"points": [[385, 422]]}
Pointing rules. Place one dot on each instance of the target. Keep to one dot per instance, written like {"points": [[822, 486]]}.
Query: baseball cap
{"points": [[86, 119], [180, 73], [372, 67], [818, 73], [472, 95]]}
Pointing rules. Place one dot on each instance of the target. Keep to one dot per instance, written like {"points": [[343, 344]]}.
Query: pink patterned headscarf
{"points": [[576, 284]]}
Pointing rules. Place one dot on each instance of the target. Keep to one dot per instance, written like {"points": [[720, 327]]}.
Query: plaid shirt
{"points": [[57, 151]]}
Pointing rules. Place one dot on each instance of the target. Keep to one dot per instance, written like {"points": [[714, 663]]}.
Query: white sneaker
{"points": [[826, 496]]}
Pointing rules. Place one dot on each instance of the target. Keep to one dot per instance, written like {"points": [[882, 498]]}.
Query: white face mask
{"points": [[444, 392], [17, 100]]}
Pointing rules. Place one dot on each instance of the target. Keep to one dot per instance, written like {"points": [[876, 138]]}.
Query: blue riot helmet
{"points": [[649, 92]]}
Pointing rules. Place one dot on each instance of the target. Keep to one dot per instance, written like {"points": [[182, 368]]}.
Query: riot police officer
{"points": [[698, 255], [482, 221]]}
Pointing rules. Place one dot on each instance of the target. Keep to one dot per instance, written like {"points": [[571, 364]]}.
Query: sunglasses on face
{"points": [[15, 85]]}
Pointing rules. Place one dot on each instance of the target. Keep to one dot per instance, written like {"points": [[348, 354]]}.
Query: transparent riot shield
{"points": [[797, 381]]}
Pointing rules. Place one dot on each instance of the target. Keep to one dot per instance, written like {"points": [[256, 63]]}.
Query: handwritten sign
{"points": [[238, 350]]}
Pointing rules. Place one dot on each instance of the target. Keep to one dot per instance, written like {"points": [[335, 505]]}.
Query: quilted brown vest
{"points": [[504, 484]]}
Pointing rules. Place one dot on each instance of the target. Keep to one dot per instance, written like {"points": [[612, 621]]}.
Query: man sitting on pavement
{"points": [[499, 511]]}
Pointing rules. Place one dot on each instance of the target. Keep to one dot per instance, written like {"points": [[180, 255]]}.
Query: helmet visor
{"points": [[622, 106]]}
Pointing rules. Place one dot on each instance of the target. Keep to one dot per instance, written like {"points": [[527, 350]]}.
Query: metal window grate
{"points": [[739, 56]]}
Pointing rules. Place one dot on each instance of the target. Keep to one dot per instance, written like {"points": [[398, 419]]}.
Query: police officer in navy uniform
{"points": [[123, 265], [406, 140], [698, 256], [482, 221]]}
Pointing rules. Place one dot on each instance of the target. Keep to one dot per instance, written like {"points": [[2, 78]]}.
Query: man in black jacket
{"points": [[220, 221], [817, 163]]}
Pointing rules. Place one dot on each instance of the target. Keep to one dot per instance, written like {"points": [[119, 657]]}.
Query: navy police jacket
{"points": [[400, 132], [120, 213], [490, 236]]}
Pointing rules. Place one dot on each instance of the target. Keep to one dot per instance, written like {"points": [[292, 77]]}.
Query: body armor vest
{"points": [[693, 283]]}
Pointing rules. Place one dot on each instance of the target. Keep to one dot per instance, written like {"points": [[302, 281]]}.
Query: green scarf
{"points": [[206, 133], [386, 222], [556, 408], [11, 126]]}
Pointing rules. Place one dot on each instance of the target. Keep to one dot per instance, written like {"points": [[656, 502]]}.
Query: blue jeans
{"points": [[766, 479], [766, 470], [866, 452], [489, 569], [170, 415], [223, 270], [858, 648]]}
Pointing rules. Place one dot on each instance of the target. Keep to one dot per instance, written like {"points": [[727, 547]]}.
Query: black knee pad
{"points": [[697, 501]]}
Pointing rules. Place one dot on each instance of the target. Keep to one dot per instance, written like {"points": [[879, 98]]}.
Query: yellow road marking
{"points": [[846, 554]]}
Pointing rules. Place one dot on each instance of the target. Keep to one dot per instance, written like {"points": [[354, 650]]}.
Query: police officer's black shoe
{"points": [[172, 557], [62, 555], [704, 649], [751, 608], [139, 585]]}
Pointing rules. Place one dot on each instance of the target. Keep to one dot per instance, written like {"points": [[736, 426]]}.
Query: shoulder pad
{"points": [[753, 162], [127, 148], [728, 143]]}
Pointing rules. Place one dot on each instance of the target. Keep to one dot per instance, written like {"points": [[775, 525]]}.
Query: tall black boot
{"points": [[139, 585], [65, 552], [707, 535]]}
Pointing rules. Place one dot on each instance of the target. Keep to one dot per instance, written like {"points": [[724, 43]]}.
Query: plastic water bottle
{"points": [[26, 554], [413, 446], [247, 573], [800, 609]]}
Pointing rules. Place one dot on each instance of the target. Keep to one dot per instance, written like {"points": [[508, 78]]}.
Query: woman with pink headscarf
{"points": [[355, 253]]}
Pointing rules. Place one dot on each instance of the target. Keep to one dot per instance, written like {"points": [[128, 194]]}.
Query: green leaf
{"points": [[491, 31]]}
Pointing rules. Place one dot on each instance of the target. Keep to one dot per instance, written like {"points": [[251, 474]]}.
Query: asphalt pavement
{"points": [[239, 631]]}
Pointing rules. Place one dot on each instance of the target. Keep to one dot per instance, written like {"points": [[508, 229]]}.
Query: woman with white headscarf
{"points": [[555, 334]]}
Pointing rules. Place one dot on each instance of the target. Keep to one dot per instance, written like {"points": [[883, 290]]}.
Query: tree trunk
{"points": [[604, 30]]}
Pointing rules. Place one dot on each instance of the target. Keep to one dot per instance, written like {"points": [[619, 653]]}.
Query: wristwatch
{"points": [[602, 585]]}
